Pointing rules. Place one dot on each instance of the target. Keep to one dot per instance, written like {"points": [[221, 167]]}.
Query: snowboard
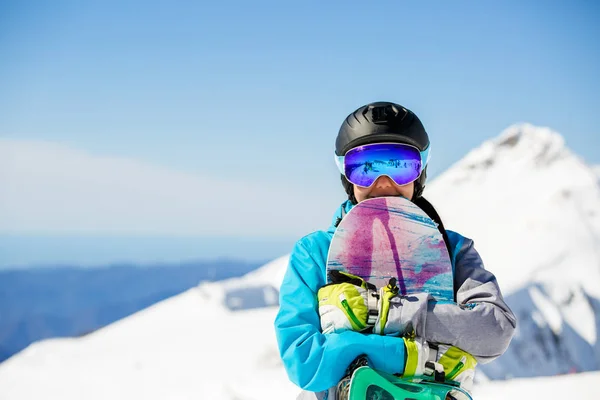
{"points": [[391, 237]]}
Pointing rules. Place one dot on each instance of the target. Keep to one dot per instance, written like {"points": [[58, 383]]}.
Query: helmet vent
{"points": [[385, 114]]}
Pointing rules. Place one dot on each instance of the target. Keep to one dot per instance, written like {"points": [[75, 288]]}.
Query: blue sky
{"points": [[254, 92]]}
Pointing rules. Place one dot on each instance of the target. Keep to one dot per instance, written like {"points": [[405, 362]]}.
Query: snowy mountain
{"points": [[530, 204], [191, 346], [67, 301], [533, 209]]}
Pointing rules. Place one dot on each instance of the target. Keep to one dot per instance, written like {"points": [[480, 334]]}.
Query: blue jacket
{"points": [[481, 323]]}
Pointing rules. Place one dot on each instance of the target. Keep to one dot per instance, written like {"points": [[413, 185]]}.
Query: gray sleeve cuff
{"points": [[407, 314]]}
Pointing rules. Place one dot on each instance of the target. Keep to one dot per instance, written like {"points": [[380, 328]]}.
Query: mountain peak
{"points": [[525, 133], [540, 143], [528, 188], [519, 145]]}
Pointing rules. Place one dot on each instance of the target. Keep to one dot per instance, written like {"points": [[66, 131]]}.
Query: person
{"points": [[409, 335]]}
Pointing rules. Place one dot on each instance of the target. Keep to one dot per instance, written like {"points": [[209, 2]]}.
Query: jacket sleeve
{"points": [[315, 361], [479, 323]]}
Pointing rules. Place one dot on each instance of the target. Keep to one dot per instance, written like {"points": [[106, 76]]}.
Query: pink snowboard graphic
{"points": [[390, 237]]}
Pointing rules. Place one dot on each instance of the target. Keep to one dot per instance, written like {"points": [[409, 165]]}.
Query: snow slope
{"points": [[575, 386], [530, 204], [189, 346], [192, 347]]}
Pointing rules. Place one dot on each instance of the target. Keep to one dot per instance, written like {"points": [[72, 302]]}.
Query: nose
{"points": [[383, 182]]}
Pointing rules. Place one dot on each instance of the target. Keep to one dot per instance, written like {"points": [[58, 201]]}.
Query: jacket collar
{"points": [[342, 210]]}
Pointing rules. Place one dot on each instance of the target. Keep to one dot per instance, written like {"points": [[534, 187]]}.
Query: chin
{"points": [[386, 195]]}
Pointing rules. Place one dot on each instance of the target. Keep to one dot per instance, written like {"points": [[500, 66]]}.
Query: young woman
{"points": [[408, 332]]}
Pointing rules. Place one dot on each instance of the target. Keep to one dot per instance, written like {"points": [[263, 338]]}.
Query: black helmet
{"points": [[382, 122]]}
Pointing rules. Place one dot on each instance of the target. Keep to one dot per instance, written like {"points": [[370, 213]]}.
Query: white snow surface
{"points": [[191, 347], [575, 386], [531, 205]]}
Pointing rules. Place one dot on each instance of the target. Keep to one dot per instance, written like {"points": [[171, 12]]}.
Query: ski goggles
{"points": [[403, 163]]}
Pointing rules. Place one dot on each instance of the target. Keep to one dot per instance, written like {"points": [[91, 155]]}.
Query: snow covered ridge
{"points": [[522, 143], [533, 209], [257, 289], [530, 204], [191, 346], [557, 333]]}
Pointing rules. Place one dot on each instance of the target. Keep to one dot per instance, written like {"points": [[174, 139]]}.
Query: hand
{"points": [[386, 294], [439, 362], [347, 303], [399, 315]]}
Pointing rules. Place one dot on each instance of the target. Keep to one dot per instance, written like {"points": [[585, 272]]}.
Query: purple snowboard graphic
{"points": [[390, 237]]}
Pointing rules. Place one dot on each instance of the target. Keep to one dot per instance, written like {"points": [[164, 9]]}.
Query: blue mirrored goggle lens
{"points": [[364, 164]]}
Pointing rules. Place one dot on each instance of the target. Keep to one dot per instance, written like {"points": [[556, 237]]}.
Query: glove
{"points": [[440, 362], [399, 315], [386, 294], [347, 303]]}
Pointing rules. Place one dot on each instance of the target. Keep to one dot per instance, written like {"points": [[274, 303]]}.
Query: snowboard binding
{"points": [[362, 382]]}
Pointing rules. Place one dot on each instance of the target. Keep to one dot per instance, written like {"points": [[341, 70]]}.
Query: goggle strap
{"points": [[339, 161], [425, 156]]}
